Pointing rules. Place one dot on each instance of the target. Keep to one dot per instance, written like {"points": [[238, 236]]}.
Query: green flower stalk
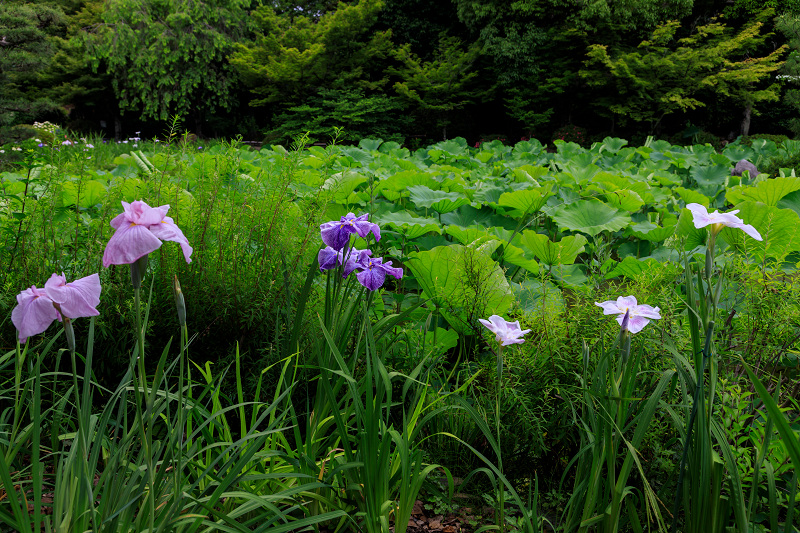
{"points": [[506, 333]]}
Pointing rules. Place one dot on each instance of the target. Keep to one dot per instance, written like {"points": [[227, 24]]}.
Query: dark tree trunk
{"points": [[748, 111], [117, 128]]}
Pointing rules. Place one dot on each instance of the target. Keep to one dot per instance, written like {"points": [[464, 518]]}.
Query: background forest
{"points": [[410, 71]]}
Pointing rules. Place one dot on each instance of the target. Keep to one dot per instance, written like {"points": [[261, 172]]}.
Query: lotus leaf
{"points": [[410, 226], [625, 199], [529, 173], [469, 216], [356, 155], [590, 217], [736, 152], [517, 257], [370, 144], [687, 233], [484, 157], [551, 253], [534, 296], [780, 229], [570, 275], [651, 232], [610, 144], [636, 269], [710, 178], [343, 184], [692, 197], [473, 233], [464, 283], [440, 341], [132, 189], [791, 201], [439, 201], [526, 200], [85, 194], [611, 181], [770, 191], [405, 179]]}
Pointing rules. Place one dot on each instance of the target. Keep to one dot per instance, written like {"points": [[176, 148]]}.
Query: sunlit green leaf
{"points": [[464, 283], [590, 217], [563, 252]]}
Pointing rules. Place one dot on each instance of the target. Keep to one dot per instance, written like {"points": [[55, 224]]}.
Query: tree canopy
{"points": [[404, 69]]}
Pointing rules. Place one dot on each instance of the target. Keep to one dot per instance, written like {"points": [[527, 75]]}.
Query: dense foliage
{"points": [[307, 399], [401, 69]]}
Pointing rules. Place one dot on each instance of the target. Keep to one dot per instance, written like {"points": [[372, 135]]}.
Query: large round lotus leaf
{"points": [[625, 199], [779, 229], [635, 269], [370, 144], [710, 177], [464, 283], [527, 200], [517, 257], [529, 173], [612, 181], [410, 226], [737, 152], [489, 194], [652, 232], [563, 252], [690, 196], [771, 191], [85, 194], [438, 342], [791, 201], [357, 155], [401, 181], [590, 217], [343, 184], [132, 189], [537, 297], [439, 201], [468, 216], [610, 144], [473, 233]]}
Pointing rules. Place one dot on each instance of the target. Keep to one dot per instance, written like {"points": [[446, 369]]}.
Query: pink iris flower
{"points": [[507, 332], [140, 230], [37, 308], [638, 315], [717, 220]]}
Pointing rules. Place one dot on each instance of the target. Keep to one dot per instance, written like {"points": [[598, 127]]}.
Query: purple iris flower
{"points": [[336, 234], [328, 258], [349, 257], [373, 272]]}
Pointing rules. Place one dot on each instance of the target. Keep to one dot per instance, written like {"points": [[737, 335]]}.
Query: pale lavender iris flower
{"points": [[638, 315], [336, 234], [717, 220], [506, 332], [140, 230], [37, 308]]}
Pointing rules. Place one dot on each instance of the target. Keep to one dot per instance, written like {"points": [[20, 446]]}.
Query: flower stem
{"points": [[501, 497], [136, 278]]}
